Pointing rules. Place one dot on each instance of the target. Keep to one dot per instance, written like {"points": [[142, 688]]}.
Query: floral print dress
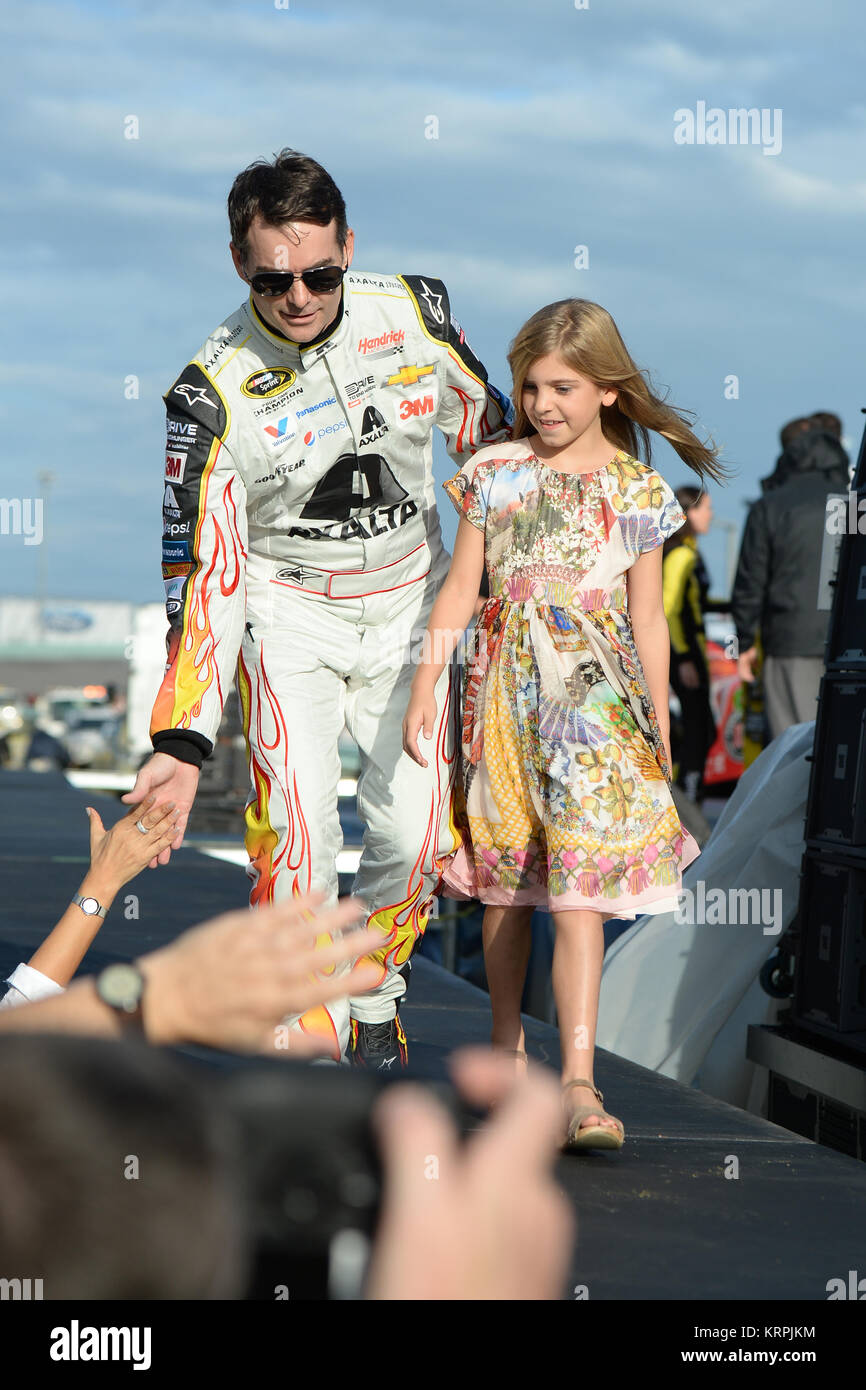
{"points": [[564, 795]]}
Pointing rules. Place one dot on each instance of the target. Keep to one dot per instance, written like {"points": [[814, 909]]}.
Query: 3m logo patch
{"points": [[174, 467], [422, 406]]}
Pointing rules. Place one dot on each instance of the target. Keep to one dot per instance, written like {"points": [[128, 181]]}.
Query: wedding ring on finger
{"points": [[143, 828]]}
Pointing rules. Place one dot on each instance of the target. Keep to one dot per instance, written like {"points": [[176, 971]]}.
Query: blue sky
{"points": [[555, 130]]}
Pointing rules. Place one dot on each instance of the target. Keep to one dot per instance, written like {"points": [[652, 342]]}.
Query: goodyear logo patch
{"points": [[270, 381]]}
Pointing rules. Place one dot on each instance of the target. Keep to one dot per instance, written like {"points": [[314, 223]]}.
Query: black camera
{"points": [[310, 1173]]}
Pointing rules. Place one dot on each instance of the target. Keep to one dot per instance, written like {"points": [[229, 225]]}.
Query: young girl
{"points": [[565, 799]]}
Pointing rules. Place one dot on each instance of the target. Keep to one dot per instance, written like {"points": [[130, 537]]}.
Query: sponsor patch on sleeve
{"points": [[175, 552], [175, 465]]}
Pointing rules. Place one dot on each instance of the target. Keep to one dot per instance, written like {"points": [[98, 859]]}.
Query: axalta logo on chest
{"points": [[364, 527]]}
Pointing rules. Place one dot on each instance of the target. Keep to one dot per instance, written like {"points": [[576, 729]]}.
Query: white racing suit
{"points": [[301, 553]]}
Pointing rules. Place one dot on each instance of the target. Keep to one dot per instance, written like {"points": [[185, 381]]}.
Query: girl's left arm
{"points": [[651, 633]]}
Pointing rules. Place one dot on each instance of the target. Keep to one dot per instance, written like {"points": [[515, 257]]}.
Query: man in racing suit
{"points": [[302, 552]]}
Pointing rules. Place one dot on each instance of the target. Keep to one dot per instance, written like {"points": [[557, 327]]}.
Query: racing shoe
{"points": [[378, 1046]]}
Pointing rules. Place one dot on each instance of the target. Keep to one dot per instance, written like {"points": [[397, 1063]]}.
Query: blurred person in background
{"points": [[784, 465], [46, 752], [685, 586], [776, 585]]}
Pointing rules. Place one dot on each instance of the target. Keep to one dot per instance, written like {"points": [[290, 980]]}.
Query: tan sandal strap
{"points": [[582, 1081]]}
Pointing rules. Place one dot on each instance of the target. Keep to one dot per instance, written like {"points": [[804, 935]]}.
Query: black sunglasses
{"points": [[272, 283]]}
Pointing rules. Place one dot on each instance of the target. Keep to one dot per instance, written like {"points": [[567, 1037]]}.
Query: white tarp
{"points": [[677, 996]]}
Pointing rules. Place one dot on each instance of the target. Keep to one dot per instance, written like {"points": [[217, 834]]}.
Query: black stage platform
{"points": [[658, 1220]]}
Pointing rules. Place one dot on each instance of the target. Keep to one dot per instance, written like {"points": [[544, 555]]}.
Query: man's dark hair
{"points": [[118, 1175], [830, 423], [290, 188], [793, 428]]}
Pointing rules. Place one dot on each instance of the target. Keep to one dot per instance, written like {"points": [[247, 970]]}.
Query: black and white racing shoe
{"points": [[378, 1046]]}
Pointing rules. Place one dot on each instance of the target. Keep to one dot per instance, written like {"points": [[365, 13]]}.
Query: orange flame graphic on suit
{"points": [[468, 421], [271, 777], [192, 655], [405, 922]]}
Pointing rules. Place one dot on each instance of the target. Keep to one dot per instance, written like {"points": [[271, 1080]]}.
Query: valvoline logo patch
{"points": [[279, 430], [282, 430]]}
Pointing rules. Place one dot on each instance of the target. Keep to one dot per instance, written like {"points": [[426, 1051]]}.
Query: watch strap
{"points": [[80, 899], [128, 1015]]}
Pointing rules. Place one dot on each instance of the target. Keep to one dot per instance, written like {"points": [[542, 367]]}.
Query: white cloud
{"points": [[670, 58], [824, 197]]}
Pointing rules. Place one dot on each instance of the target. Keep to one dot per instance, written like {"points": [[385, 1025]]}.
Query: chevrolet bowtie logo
{"points": [[408, 376]]}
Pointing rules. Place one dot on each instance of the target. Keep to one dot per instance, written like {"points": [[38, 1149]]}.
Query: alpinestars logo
{"points": [[434, 303], [373, 426], [358, 497], [193, 395]]}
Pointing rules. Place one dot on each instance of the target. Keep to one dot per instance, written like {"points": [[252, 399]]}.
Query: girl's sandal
{"points": [[592, 1136]]}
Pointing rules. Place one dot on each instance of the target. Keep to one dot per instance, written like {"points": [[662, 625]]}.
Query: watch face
{"points": [[89, 905], [121, 986]]}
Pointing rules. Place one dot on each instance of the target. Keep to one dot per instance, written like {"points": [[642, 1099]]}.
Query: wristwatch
{"points": [[121, 986], [89, 905]]}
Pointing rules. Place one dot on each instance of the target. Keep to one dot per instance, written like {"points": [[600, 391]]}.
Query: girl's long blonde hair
{"points": [[585, 336]]}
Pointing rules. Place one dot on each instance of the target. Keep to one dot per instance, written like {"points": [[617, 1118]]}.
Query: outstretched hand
{"points": [[482, 1221], [232, 981], [120, 853], [171, 781]]}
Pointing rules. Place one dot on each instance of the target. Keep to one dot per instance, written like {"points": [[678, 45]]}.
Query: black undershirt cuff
{"points": [[186, 746]]}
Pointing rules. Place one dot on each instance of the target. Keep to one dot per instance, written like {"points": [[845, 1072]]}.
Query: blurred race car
{"points": [[725, 758], [92, 737]]}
